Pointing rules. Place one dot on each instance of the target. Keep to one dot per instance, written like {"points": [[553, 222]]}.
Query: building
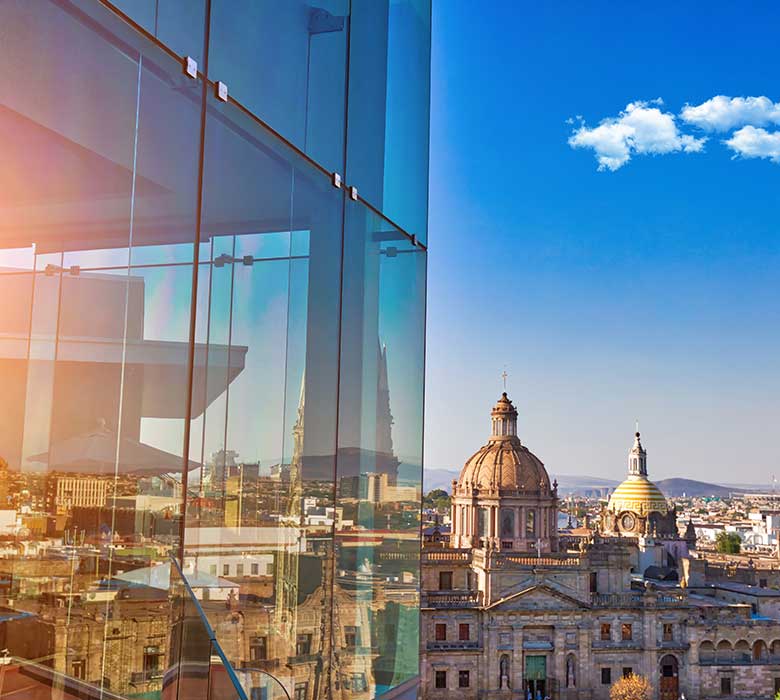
{"points": [[213, 243], [63, 493], [512, 606]]}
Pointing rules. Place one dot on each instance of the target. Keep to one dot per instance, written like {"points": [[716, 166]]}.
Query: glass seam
{"points": [[190, 369]]}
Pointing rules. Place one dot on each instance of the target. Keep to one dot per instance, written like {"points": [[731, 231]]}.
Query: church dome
{"points": [[504, 463], [637, 494]]}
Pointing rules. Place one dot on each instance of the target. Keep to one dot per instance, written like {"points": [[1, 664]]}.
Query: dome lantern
{"points": [[504, 418]]}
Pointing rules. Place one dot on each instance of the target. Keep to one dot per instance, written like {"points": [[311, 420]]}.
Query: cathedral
{"points": [[514, 608]]}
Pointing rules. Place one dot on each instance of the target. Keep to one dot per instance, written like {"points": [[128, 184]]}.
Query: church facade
{"points": [[512, 606]]}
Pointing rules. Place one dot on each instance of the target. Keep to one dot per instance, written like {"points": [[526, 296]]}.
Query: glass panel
{"points": [[94, 347], [389, 106], [179, 24], [376, 588], [261, 510], [286, 63]]}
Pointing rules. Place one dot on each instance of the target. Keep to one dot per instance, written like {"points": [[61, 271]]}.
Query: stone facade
{"points": [[501, 620], [584, 616]]}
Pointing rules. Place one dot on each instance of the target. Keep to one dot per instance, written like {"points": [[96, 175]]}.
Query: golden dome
{"points": [[639, 495], [504, 463]]}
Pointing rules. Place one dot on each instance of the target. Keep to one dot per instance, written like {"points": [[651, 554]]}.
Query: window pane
{"points": [[286, 63], [95, 346], [261, 501], [179, 24], [380, 441], [389, 105]]}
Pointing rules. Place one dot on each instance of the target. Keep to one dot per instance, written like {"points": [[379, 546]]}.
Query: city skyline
{"points": [[648, 292]]}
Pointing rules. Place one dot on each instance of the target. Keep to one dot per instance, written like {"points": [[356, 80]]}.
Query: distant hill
{"points": [[570, 484], [596, 486], [677, 487]]}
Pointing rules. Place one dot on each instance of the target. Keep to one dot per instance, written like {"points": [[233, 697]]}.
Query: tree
{"points": [[631, 687], [728, 542], [438, 498]]}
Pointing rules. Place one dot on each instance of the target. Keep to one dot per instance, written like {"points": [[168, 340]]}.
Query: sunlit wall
{"points": [[211, 356]]}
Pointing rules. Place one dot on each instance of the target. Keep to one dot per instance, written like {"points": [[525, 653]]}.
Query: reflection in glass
{"points": [[188, 326], [94, 347], [389, 108], [286, 63], [260, 510], [379, 464], [180, 24]]}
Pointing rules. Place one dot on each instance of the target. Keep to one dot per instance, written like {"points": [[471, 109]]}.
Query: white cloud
{"points": [[722, 113], [752, 142], [639, 129]]}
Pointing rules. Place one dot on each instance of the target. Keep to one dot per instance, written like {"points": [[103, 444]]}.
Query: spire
{"points": [[504, 418], [637, 458], [384, 416]]}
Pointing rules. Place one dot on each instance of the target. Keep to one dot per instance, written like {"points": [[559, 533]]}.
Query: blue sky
{"points": [[650, 292]]}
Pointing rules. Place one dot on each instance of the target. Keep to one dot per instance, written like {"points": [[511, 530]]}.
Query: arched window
{"points": [[742, 651], [670, 668], [774, 651], [530, 524], [724, 652], [507, 522], [760, 653], [482, 521], [707, 652]]}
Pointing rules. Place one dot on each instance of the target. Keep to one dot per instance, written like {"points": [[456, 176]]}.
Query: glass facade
{"points": [[211, 357]]}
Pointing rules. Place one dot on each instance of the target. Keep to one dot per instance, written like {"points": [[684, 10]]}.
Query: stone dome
{"points": [[504, 463]]}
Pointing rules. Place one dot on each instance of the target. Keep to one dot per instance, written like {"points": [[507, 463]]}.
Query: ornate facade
{"points": [[509, 610], [503, 499]]}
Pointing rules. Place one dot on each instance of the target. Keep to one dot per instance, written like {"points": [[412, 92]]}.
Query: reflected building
{"points": [[211, 348]]}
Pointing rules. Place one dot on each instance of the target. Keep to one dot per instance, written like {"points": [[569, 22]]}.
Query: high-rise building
{"points": [[213, 236]]}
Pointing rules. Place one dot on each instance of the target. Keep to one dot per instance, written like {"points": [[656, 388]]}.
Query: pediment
{"points": [[538, 597]]}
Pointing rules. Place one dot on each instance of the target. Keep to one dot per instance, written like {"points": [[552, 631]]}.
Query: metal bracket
{"points": [[353, 195], [414, 239], [222, 91], [75, 270], [191, 66], [336, 180], [248, 260]]}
